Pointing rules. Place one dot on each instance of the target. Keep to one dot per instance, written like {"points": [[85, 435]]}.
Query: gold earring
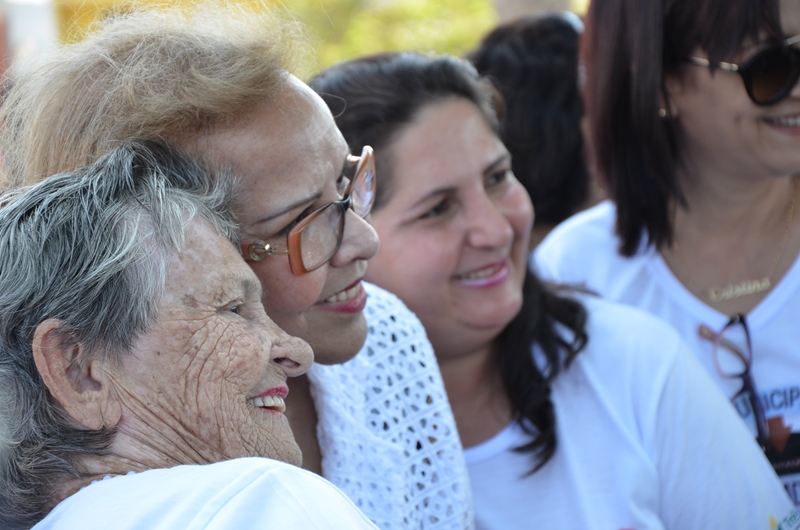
{"points": [[662, 113]]}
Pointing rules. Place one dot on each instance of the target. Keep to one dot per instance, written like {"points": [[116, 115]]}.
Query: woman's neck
{"points": [[538, 233], [474, 386], [731, 232], [302, 415], [94, 468], [719, 200]]}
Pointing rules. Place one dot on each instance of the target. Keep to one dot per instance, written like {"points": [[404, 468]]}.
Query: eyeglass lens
{"points": [[731, 354], [733, 359], [321, 237], [771, 74], [364, 191]]}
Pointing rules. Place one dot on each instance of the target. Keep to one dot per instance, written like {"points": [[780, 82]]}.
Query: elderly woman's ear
{"points": [[78, 382]]}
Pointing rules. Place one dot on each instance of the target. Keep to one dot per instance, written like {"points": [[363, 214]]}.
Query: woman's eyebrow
{"points": [[251, 287], [445, 190], [291, 206], [499, 161]]}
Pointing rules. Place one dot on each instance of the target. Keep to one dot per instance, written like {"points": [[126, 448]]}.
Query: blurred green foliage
{"points": [[339, 29], [344, 29]]}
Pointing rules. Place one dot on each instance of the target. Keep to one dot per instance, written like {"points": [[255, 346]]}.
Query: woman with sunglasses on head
{"points": [[372, 417], [694, 111], [575, 412]]}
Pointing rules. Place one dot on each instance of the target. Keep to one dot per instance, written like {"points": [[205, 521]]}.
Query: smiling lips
{"points": [[482, 273], [784, 121], [349, 301], [275, 403], [344, 296], [487, 276], [272, 399]]}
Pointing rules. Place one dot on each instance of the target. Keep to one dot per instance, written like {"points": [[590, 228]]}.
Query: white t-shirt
{"points": [[244, 493], [583, 250], [644, 441], [385, 427]]}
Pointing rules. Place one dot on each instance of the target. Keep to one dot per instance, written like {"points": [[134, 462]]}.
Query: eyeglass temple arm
{"points": [[701, 61], [709, 334], [250, 250]]}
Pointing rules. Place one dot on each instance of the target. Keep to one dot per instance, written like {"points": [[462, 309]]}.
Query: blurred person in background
{"points": [[533, 62], [694, 110]]}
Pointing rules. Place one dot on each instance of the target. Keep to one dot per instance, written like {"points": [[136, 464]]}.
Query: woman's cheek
{"points": [[519, 210], [286, 296]]}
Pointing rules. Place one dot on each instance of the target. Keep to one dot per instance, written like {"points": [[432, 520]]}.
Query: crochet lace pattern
{"points": [[386, 430]]}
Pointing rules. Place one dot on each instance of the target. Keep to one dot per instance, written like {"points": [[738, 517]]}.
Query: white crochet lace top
{"points": [[386, 431]]}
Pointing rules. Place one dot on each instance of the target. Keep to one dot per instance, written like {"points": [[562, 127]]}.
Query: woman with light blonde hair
{"points": [[372, 417]]}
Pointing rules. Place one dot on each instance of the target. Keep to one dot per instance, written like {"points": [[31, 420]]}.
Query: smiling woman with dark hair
{"points": [[694, 111]]}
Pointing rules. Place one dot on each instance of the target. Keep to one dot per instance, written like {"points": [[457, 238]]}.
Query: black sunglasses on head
{"points": [[769, 75]]}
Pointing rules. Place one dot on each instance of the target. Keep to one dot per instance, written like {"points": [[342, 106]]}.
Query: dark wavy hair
{"points": [[629, 47], [533, 62], [373, 99]]}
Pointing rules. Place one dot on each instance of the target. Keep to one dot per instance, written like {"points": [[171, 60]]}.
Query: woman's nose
{"points": [[359, 241], [293, 355], [488, 226]]}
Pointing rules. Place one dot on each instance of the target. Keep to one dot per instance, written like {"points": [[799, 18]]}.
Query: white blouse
{"points": [[386, 431]]}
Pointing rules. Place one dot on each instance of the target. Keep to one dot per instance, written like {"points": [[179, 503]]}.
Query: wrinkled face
{"points": [[727, 131], [454, 234], [211, 376], [291, 159]]}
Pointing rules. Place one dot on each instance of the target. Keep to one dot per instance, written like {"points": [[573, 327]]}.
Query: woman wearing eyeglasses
{"points": [[695, 120], [372, 417], [574, 412]]}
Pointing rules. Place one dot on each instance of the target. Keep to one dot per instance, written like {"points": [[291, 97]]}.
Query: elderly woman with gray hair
{"points": [[133, 347]]}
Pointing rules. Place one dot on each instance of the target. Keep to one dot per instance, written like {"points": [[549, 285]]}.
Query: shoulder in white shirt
{"points": [[644, 439], [242, 493]]}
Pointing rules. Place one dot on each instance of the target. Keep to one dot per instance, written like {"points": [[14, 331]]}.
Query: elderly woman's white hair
{"points": [[88, 248]]}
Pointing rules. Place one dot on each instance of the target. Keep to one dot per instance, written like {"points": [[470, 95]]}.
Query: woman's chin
{"points": [[500, 313], [335, 338], [294, 456], [334, 358], [340, 349], [285, 449]]}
